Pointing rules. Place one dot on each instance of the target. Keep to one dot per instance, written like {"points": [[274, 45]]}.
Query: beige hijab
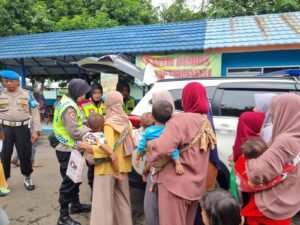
{"points": [[163, 95], [115, 115]]}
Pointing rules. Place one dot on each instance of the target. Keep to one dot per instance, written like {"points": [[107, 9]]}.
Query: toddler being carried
{"points": [[96, 137]]}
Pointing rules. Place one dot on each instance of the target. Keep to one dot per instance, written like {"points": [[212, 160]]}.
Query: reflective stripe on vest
{"points": [[59, 129], [90, 107], [129, 105]]}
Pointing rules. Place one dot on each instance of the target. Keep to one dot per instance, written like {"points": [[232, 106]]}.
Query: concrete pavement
{"points": [[40, 207]]}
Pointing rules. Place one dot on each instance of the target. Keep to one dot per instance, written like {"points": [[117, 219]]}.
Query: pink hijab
{"points": [[285, 115], [115, 115], [283, 200]]}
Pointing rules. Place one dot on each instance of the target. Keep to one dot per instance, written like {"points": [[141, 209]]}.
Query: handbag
{"points": [[75, 166], [53, 140]]}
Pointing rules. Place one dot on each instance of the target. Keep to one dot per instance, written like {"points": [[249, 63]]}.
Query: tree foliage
{"points": [[179, 11], [231, 8], [35, 16]]}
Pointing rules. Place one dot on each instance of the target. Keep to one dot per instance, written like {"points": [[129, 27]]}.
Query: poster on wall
{"points": [[109, 82], [182, 65]]}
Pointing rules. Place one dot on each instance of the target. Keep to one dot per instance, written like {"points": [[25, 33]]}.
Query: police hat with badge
{"points": [[9, 74]]}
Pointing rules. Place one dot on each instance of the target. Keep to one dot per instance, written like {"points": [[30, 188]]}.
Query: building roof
{"points": [[123, 39], [250, 31], [51, 53]]}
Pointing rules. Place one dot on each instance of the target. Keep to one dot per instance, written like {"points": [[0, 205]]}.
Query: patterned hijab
{"points": [[163, 95], [115, 115]]}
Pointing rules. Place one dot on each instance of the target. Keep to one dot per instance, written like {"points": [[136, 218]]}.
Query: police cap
{"points": [[9, 74]]}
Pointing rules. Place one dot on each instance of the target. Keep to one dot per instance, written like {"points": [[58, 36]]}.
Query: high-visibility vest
{"points": [[129, 105], [60, 131], [89, 107]]}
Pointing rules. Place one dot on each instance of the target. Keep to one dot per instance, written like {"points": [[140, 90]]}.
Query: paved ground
{"points": [[40, 206]]}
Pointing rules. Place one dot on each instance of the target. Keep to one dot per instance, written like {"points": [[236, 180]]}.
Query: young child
{"points": [[161, 111], [3, 184], [95, 121], [146, 121], [253, 148], [220, 208]]}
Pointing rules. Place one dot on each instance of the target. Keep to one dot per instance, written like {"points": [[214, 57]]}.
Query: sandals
{"points": [[4, 192], [15, 162], [35, 164]]}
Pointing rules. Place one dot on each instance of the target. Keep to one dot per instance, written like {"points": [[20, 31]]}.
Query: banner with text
{"points": [[182, 65]]}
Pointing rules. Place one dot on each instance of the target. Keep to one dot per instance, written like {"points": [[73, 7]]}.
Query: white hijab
{"points": [[262, 103]]}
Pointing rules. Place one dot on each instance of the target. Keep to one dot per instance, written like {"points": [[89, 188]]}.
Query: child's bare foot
{"points": [[137, 163], [152, 188], [144, 177], [119, 176], [179, 169]]}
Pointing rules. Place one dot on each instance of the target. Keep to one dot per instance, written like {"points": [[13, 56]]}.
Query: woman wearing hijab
{"points": [[151, 198], [248, 127], [178, 196], [280, 203], [262, 103], [68, 128], [111, 198], [95, 103]]}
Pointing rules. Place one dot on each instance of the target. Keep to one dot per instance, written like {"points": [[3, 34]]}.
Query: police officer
{"points": [[129, 102], [18, 107], [69, 129], [95, 103]]}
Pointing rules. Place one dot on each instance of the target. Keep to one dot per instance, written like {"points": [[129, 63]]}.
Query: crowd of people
{"points": [[180, 151]]}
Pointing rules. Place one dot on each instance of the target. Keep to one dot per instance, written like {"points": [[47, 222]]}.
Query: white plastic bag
{"points": [[75, 166]]}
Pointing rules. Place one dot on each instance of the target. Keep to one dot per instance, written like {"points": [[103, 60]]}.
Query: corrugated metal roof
{"points": [[270, 29], [131, 39], [247, 31]]}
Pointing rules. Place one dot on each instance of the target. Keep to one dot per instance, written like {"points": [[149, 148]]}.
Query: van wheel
{"points": [[223, 177]]}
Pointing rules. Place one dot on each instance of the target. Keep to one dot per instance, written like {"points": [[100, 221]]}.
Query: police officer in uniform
{"points": [[17, 108], [69, 129], [129, 102], [95, 103]]}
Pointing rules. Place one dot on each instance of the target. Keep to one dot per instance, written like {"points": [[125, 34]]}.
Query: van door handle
{"points": [[225, 128]]}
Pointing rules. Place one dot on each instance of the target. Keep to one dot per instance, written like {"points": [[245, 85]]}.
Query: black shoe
{"points": [[67, 220], [80, 208], [28, 183]]}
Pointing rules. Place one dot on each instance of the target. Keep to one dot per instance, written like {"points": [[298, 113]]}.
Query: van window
{"points": [[177, 93], [235, 102]]}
